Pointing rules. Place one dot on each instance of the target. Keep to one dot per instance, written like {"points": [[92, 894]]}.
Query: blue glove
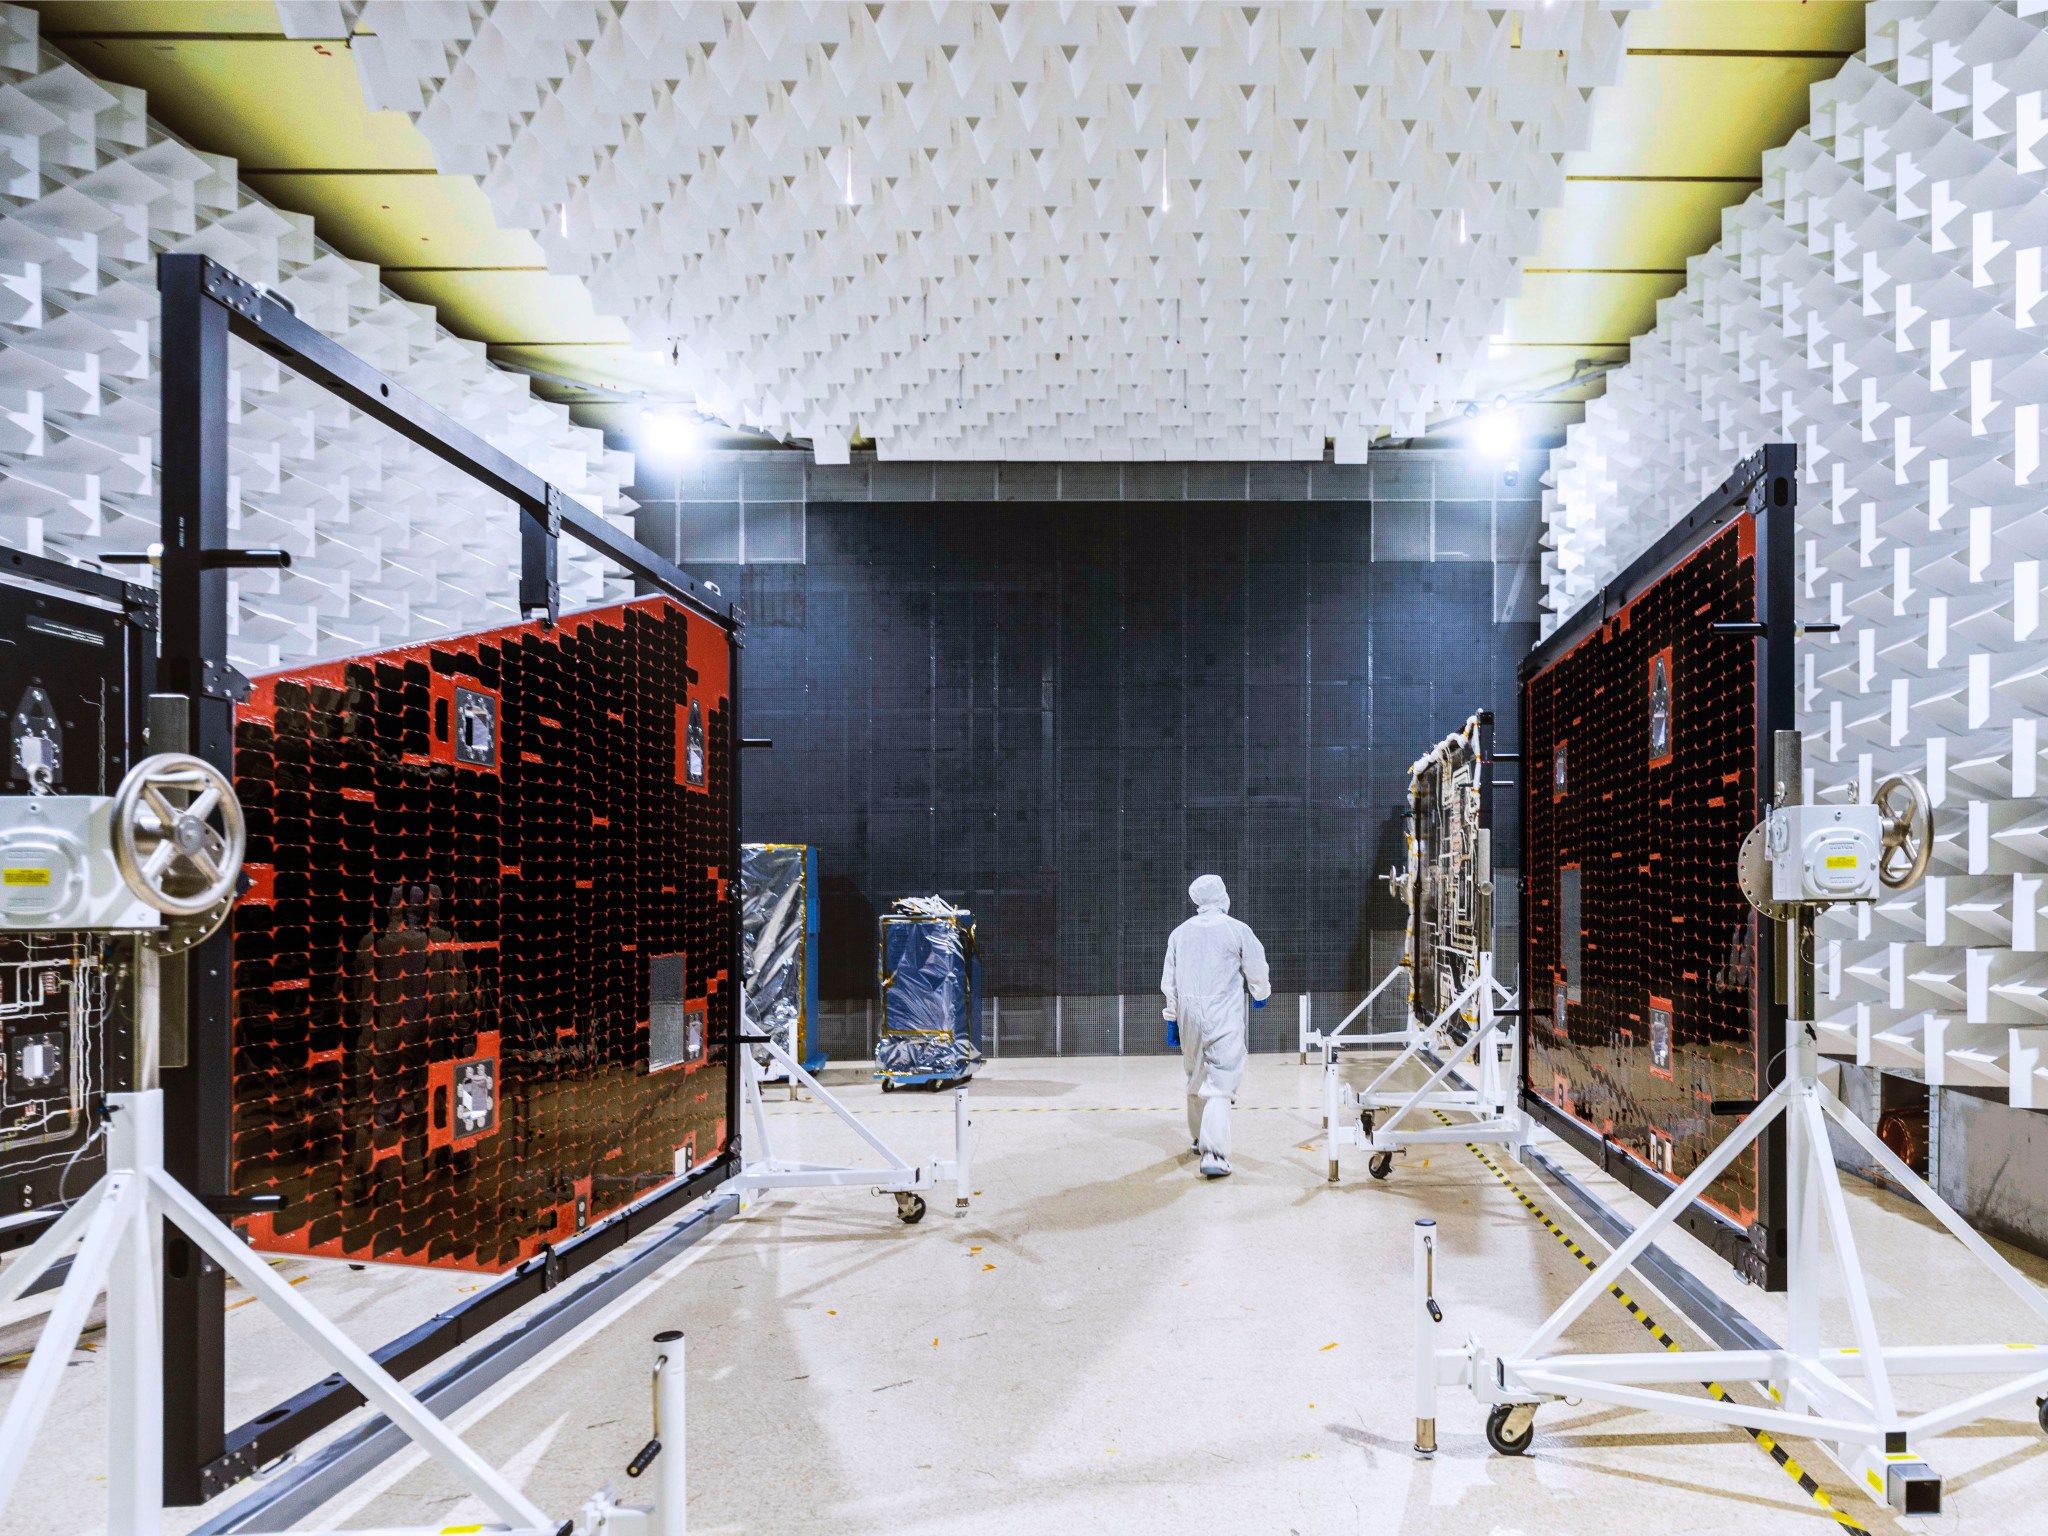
{"points": [[1258, 1002], [1172, 1035]]}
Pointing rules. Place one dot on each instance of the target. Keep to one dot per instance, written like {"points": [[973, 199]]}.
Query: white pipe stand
{"points": [[669, 1514], [1487, 1091], [762, 1168], [117, 1225], [1337, 1039]]}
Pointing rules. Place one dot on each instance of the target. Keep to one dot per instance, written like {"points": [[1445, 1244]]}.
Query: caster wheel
{"points": [[888, 1085], [909, 1208], [1365, 1123], [1380, 1165], [2041, 1414], [1497, 1434]]}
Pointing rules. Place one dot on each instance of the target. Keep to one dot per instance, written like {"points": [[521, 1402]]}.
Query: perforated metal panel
{"points": [[483, 978]]}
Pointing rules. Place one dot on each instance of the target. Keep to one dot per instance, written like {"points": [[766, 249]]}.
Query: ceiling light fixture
{"points": [[1497, 434], [667, 434]]}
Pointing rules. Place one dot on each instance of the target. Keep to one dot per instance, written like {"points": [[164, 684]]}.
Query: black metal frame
{"points": [[203, 304], [1764, 486]]}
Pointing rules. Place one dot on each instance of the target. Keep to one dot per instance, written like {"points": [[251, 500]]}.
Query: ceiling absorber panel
{"points": [[1026, 231]]}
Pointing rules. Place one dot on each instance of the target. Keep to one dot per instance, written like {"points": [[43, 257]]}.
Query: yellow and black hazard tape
{"points": [[1769, 1443]]}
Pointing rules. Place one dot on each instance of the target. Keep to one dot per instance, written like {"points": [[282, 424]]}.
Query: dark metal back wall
{"points": [[1060, 713]]}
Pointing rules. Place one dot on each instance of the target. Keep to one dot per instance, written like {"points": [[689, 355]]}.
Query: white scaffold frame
{"points": [[1338, 1039], [761, 1167], [1477, 1079], [1841, 1397]]}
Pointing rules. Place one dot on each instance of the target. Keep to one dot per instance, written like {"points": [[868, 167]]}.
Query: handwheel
{"points": [[172, 856], [1380, 1165], [1497, 1434], [1908, 831], [909, 1208]]}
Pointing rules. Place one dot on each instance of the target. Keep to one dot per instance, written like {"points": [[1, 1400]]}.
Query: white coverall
{"points": [[1210, 960]]}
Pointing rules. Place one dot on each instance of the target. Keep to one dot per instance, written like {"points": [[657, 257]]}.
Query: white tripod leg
{"points": [[135, 1388], [366, 1375], [109, 1215]]}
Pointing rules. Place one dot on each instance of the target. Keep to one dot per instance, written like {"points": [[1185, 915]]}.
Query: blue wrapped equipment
{"points": [[931, 995]]}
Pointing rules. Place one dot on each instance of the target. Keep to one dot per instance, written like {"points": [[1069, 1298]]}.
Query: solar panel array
{"points": [[482, 976]]}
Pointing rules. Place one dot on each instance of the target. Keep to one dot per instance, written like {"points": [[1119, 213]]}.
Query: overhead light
{"points": [[666, 434], [1497, 434]]}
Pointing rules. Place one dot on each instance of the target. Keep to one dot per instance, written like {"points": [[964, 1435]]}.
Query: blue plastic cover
{"points": [[931, 991]]}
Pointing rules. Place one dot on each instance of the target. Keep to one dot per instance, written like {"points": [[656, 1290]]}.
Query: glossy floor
{"points": [[1108, 1342]]}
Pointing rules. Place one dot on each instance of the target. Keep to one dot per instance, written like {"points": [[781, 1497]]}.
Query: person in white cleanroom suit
{"points": [[1211, 959]]}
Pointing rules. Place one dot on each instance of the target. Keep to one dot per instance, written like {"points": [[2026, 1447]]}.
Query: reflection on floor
{"points": [[1109, 1342]]}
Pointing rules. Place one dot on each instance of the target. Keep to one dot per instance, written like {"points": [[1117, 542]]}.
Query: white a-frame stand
{"points": [[1478, 1077], [762, 1168], [119, 1221], [1842, 1397]]}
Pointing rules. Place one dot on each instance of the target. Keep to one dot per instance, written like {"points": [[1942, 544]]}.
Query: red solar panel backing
{"points": [[483, 985]]}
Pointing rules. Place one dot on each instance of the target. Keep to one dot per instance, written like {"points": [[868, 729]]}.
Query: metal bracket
{"points": [[540, 535], [221, 680]]}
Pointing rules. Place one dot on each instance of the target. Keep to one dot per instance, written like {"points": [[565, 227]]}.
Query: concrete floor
{"points": [[1108, 1342]]}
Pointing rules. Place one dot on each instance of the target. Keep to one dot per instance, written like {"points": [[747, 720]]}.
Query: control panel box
{"points": [[1825, 852], [57, 867]]}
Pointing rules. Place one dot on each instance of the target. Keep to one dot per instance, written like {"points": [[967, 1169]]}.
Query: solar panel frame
{"points": [[1633, 1115]]}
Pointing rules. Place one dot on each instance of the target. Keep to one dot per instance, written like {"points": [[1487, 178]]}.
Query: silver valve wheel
{"points": [[1908, 831], [173, 855]]}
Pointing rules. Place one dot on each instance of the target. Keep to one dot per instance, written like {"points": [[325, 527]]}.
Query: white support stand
{"points": [[1478, 1079], [762, 1168], [1841, 1397], [1340, 1038], [116, 1225]]}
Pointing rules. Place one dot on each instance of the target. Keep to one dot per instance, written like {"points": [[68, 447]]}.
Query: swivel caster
{"points": [[1511, 1428], [909, 1208], [888, 1085], [1365, 1123], [2041, 1414], [1380, 1165]]}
